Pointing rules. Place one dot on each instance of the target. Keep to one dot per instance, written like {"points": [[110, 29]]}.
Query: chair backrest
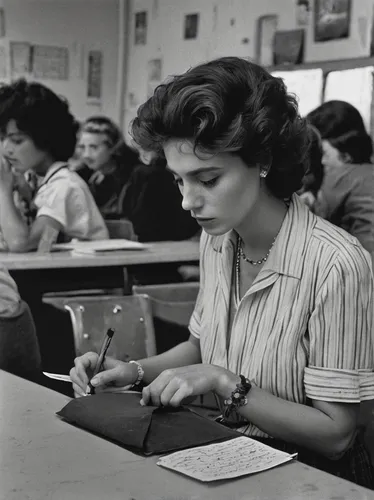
{"points": [[172, 302], [91, 316], [121, 228]]}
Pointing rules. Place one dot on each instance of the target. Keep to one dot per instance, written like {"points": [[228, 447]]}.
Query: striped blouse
{"points": [[304, 329]]}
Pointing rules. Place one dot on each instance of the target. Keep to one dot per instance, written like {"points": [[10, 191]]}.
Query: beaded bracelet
{"points": [[238, 396], [140, 373]]}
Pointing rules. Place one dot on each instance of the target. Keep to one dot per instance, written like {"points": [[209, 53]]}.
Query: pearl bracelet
{"points": [[140, 373]]}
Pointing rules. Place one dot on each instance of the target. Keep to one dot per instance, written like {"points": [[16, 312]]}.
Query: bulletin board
{"points": [[50, 62]]}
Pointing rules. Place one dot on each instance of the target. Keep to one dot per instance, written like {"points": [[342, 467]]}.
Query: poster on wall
{"points": [[306, 84], [154, 71], [339, 85], [20, 59], [140, 28], [332, 19], [191, 26], [303, 12], [94, 76], [49, 62]]}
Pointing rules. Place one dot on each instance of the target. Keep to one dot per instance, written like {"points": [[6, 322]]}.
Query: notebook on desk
{"points": [[99, 246]]}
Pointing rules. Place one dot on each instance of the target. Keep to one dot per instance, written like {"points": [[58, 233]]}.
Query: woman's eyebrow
{"points": [[197, 171]]}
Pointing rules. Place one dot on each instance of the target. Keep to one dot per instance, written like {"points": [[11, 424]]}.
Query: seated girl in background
{"points": [[104, 161], [282, 327], [39, 133], [346, 197]]}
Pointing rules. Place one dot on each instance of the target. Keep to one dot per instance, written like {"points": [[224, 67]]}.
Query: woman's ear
{"points": [[345, 157]]}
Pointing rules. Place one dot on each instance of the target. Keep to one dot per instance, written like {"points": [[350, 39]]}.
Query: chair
{"points": [[172, 302], [91, 316], [172, 305], [121, 228]]}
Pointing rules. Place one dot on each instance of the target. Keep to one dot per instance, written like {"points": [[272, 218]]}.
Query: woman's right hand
{"points": [[116, 373]]}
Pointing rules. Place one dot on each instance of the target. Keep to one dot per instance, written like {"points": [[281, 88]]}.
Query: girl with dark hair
{"points": [[39, 134], [105, 162], [286, 349], [346, 198]]}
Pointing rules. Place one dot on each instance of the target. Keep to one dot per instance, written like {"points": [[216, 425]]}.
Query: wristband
{"points": [[238, 396], [140, 373]]}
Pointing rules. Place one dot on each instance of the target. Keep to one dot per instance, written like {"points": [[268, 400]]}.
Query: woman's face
{"points": [[220, 191], [332, 157], [93, 149], [21, 152]]}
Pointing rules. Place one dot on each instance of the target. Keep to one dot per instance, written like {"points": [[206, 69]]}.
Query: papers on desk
{"points": [[100, 246], [233, 458], [117, 390]]}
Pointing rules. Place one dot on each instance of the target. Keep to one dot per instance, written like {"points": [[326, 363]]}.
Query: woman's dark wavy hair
{"points": [[230, 105], [121, 153], [314, 175], [40, 114]]}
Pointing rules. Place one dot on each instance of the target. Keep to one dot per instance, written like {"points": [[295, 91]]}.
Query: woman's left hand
{"points": [[174, 385]]}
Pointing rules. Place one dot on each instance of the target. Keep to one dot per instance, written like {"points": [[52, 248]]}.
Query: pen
{"points": [[104, 347]]}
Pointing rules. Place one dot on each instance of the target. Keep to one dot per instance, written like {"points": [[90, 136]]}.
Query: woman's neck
{"points": [[43, 168], [262, 226]]}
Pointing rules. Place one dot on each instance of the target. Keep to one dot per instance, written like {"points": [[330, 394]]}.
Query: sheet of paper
{"points": [[233, 458], [354, 86], [100, 245], [306, 84]]}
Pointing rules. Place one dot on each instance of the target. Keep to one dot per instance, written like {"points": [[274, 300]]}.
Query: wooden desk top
{"points": [[159, 252], [42, 457]]}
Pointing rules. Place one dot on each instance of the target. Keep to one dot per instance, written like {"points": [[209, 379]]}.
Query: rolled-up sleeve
{"points": [[341, 333]]}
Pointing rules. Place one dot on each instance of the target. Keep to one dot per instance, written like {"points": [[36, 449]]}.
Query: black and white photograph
{"points": [[332, 19], [191, 26], [141, 27], [186, 250]]}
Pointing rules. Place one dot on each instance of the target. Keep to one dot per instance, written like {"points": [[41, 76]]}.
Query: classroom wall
{"points": [[227, 27], [79, 25]]}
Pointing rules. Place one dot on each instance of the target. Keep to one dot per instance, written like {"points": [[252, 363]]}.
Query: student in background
{"points": [[347, 192], [152, 202], [39, 133], [104, 161], [285, 347]]}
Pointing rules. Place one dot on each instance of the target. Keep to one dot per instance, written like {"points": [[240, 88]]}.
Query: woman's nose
{"points": [[191, 199]]}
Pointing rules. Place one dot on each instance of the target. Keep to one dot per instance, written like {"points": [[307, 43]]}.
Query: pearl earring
{"points": [[263, 173]]}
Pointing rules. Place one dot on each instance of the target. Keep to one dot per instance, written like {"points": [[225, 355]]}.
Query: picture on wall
{"points": [[94, 75], [140, 28], [303, 9], [289, 47], [332, 19], [191, 26]]}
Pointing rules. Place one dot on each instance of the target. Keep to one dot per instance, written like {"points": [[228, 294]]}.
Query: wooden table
{"points": [[42, 457], [158, 253]]}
